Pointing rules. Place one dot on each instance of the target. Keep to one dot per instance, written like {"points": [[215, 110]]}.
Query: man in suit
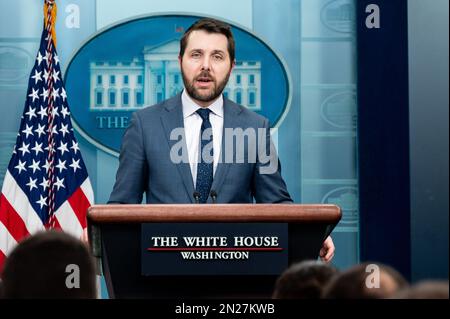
{"points": [[199, 147]]}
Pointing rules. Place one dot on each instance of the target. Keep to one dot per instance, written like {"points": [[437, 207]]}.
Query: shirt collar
{"points": [[190, 107]]}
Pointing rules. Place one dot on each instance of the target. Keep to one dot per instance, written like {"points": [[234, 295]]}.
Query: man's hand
{"points": [[327, 251]]}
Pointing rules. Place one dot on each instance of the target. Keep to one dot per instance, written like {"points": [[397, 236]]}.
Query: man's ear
{"points": [[233, 64], [180, 59]]}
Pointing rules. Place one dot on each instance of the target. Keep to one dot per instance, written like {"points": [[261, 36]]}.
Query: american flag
{"points": [[46, 184]]}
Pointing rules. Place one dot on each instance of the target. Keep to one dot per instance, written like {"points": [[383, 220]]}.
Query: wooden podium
{"points": [[116, 242]]}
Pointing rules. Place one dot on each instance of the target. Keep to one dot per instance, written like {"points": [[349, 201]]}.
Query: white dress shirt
{"points": [[192, 129]]}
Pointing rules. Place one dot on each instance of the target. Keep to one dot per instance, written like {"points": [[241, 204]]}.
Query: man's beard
{"points": [[195, 94]]}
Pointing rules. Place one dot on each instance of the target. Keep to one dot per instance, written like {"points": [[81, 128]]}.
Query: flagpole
{"points": [[50, 11], [49, 24]]}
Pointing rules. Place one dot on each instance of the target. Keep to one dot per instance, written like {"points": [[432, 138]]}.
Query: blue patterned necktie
{"points": [[204, 168]]}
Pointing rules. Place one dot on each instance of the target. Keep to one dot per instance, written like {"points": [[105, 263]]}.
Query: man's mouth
{"points": [[204, 79], [204, 82]]}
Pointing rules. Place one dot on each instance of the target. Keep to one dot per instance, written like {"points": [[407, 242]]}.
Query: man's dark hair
{"points": [[210, 26], [304, 280], [351, 284], [38, 268]]}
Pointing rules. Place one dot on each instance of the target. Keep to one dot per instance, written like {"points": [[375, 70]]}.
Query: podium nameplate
{"points": [[214, 248]]}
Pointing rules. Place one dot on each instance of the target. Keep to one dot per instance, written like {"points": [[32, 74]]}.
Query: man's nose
{"points": [[206, 63]]}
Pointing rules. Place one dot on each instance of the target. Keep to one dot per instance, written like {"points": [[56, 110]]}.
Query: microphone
{"points": [[196, 197], [213, 195]]}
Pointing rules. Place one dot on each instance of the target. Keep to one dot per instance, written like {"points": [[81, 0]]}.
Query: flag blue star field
{"points": [[46, 184]]}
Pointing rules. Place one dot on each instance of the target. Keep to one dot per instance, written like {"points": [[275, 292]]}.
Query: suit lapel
{"points": [[172, 119], [230, 120]]}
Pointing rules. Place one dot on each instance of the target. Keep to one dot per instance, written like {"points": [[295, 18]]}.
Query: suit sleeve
{"points": [[132, 175], [268, 184]]}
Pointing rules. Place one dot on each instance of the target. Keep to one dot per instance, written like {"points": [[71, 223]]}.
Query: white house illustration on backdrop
{"points": [[123, 86]]}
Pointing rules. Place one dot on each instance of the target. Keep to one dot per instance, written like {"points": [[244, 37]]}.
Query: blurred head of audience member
{"points": [[365, 281], [49, 265], [427, 289], [304, 280]]}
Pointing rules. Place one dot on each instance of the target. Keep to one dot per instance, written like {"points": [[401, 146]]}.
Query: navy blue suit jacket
{"points": [[146, 166]]}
